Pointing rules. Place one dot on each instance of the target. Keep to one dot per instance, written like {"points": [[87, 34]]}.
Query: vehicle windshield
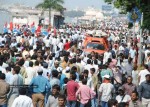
{"points": [[95, 46]]}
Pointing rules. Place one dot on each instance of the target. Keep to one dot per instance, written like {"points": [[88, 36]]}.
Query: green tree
{"points": [[126, 6], [51, 4]]}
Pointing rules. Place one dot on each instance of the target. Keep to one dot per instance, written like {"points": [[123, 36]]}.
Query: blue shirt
{"points": [[77, 74], [63, 76], [42, 84], [54, 81]]}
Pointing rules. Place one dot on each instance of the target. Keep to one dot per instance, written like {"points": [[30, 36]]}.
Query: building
{"points": [[92, 16], [27, 15]]}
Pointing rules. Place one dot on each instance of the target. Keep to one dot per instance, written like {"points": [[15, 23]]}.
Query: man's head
{"points": [[66, 41], [95, 62], [134, 96], [56, 64], [2, 76], [78, 60], [16, 70], [112, 103], [36, 63], [92, 70], [88, 61], [122, 104], [21, 62], [66, 80], [61, 101], [146, 66], [81, 77], [84, 81], [85, 73], [40, 71], [129, 79], [8, 69], [73, 76], [22, 91], [45, 65], [66, 59], [74, 68], [148, 78], [121, 91], [30, 64], [55, 73], [55, 89]]}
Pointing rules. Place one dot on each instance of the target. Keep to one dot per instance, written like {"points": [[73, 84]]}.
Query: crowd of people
{"points": [[54, 71]]}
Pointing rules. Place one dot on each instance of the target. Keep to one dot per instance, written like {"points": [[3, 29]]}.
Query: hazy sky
{"points": [[69, 4]]}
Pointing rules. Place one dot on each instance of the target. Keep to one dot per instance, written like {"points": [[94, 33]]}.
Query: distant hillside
{"points": [[74, 13]]}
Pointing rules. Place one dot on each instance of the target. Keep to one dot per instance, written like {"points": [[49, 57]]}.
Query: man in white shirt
{"points": [[31, 41], [147, 51], [22, 100], [106, 90], [47, 42], [61, 45], [132, 52], [3, 70], [9, 75], [142, 74], [116, 38], [30, 73], [46, 71], [88, 67], [121, 48], [14, 43], [18, 37], [107, 55], [16, 80], [122, 97], [54, 43]]}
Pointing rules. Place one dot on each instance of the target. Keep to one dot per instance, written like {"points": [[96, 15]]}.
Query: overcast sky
{"points": [[69, 4]]}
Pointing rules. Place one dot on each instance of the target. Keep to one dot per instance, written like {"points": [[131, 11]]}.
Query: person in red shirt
{"points": [[72, 88], [86, 94], [67, 45]]}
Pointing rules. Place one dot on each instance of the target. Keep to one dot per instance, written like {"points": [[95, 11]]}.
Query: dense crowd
{"points": [[53, 70]]}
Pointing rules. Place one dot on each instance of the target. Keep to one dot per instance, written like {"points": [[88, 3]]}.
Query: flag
{"points": [[39, 29], [15, 30], [5, 26], [44, 32], [15, 25], [18, 26], [11, 26], [49, 28], [33, 29], [32, 25], [54, 31], [5, 30]]}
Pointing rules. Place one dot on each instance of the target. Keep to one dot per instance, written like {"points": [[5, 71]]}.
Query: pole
{"points": [[140, 43], [134, 31], [49, 15]]}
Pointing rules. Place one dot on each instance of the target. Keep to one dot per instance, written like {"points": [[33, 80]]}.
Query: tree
{"points": [[126, 6], [51, 4]]}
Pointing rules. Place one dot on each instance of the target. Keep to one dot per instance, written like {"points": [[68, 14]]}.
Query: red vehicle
{"points": [[96, 44]]}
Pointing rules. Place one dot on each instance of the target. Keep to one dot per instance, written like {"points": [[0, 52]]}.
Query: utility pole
{"points": [[140, 44]]}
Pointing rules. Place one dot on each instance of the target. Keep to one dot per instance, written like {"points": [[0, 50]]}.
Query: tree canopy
{"points": [[126, 6], [52, 4]]}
